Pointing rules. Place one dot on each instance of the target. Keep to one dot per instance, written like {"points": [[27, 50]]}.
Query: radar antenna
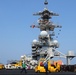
{"points": [[46, 3]]}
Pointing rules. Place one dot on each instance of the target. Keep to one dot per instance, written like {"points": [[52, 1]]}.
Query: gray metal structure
{"points": [[46, 45]]}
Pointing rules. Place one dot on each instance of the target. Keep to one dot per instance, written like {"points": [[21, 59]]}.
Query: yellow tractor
{"points": [[53, 66], [40, 66], [17, 64], [1, 66]]}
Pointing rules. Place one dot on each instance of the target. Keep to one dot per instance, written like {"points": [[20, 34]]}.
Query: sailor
{"points": [[23, 67], [46, 66]]}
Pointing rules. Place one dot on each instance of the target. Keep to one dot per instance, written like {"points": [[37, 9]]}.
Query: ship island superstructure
{"points": [[46, 45]]}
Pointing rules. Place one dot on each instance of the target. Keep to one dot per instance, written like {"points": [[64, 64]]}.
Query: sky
{"points": [[16, 17]]}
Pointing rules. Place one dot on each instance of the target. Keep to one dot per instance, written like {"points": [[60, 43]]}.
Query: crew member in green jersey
{"points": [[23, 67]]}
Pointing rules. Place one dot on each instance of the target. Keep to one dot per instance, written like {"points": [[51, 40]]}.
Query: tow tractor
{"points": [[53, 66]]}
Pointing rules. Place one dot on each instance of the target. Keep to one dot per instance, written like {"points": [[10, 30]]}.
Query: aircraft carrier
{"points": [[44, 48]]}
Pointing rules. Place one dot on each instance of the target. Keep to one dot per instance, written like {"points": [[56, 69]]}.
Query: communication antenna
{"points": [[46, 3]]}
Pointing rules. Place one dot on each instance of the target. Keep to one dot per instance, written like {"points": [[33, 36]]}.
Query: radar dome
{"points": [[35, 41], [56, 43], [43, 33]]}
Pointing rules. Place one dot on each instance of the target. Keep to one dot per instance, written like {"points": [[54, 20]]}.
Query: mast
{"points": [[46, 45]]}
